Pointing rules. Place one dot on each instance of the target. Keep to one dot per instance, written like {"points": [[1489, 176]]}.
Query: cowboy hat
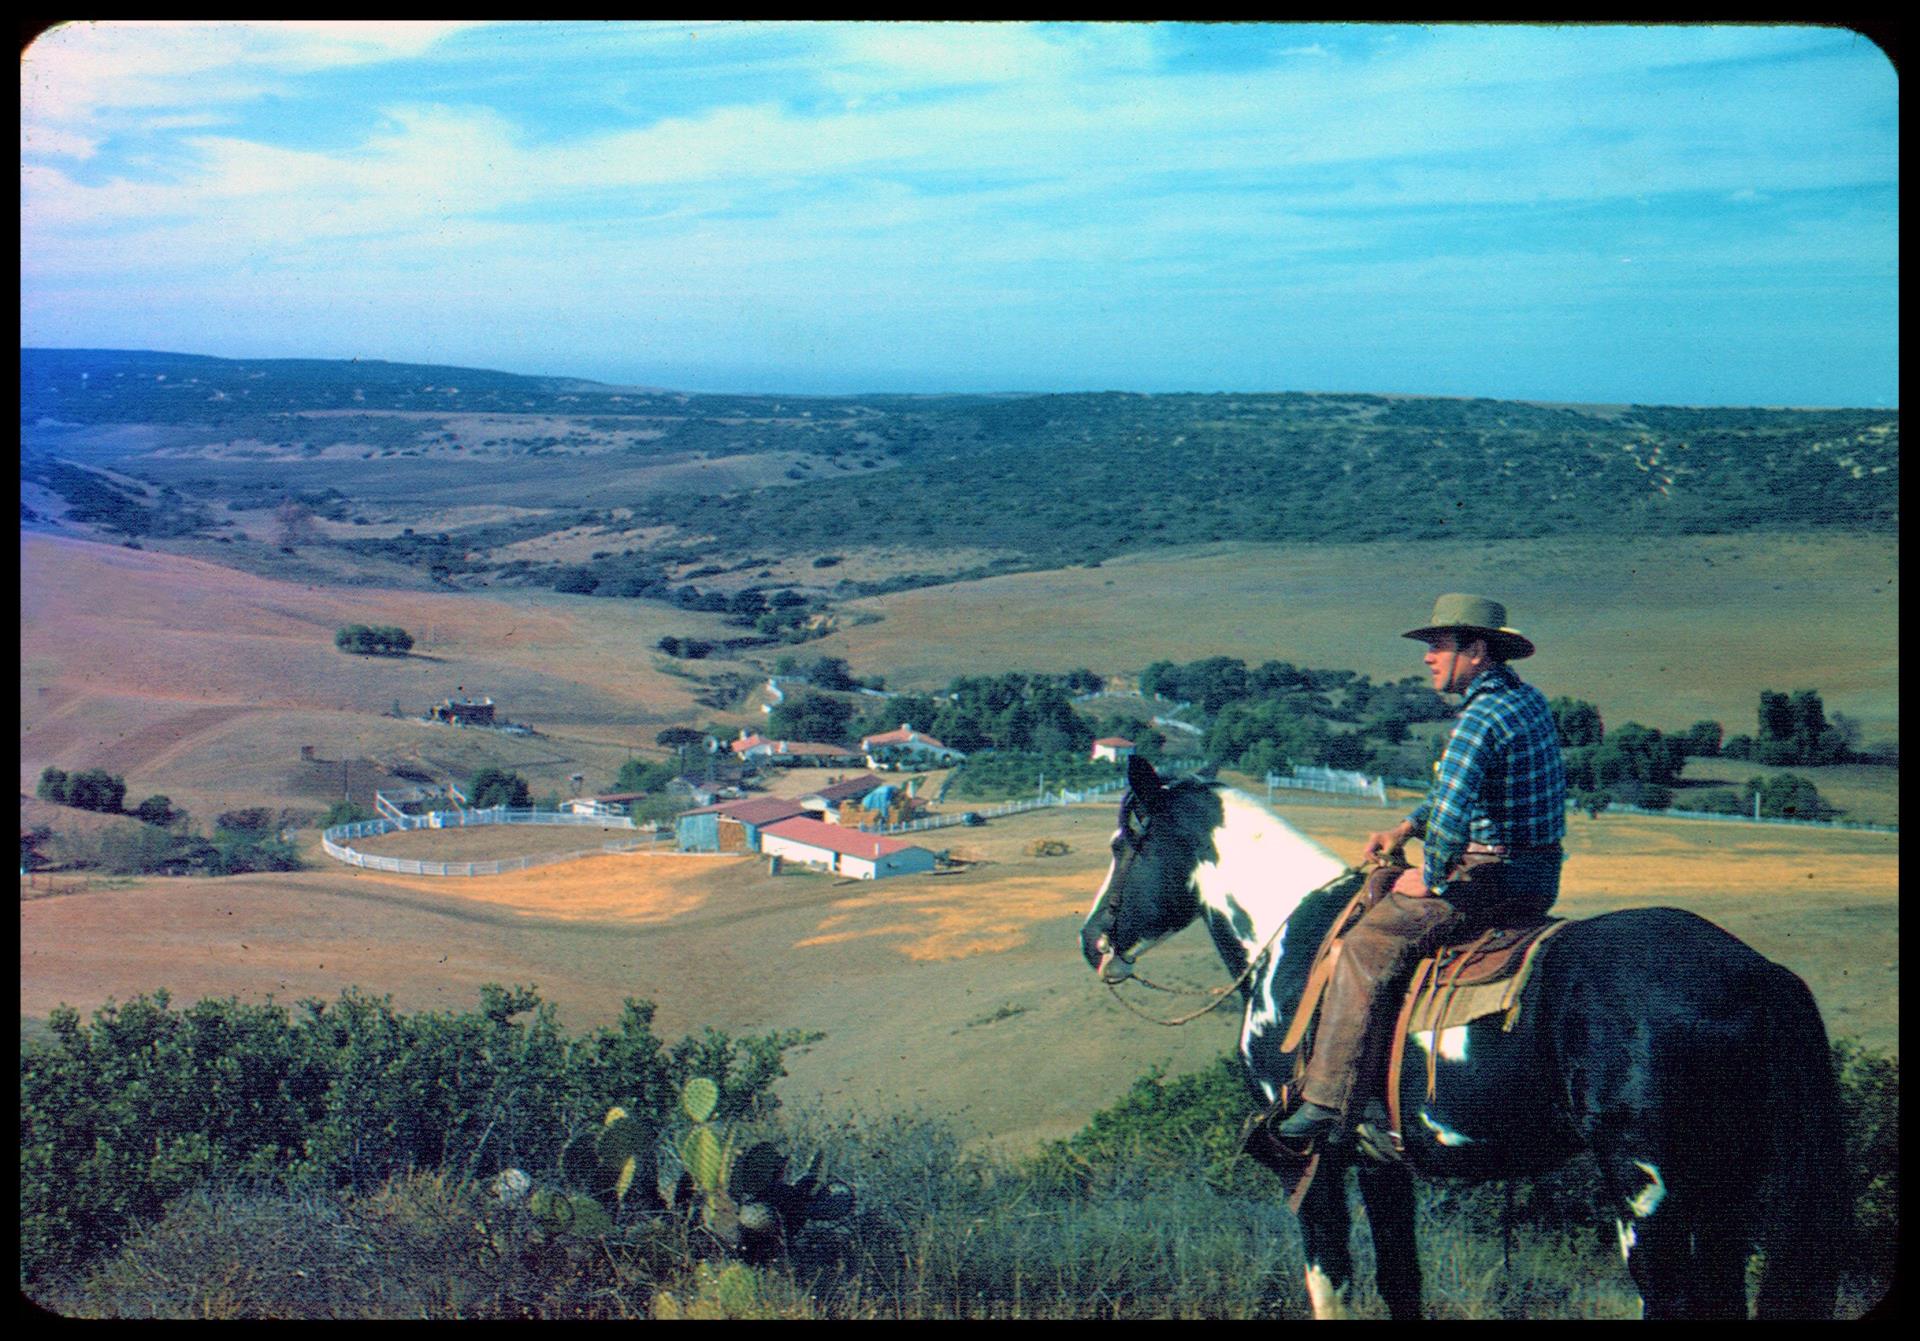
{"points": [[1459, 613]]}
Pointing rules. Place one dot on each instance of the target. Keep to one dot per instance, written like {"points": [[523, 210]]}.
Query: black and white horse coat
{"points": [[1697, 1072]]}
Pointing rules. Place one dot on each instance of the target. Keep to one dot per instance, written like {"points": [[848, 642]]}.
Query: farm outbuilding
{"points": [[613, 803], [733, 826], [1115, 748], [465, 712], [826, 802], [849, 852]]}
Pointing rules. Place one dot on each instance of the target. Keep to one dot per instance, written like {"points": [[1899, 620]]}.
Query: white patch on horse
{"points": [[1445, 1135], [1651, 1195], [1453, 1042], [1263, 1014], [1329, 1300], [1265, 866], [1107, 884], [1627, 1238]]}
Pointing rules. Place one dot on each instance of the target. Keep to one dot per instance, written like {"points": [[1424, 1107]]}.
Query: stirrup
{"points": [[1375, 1137]]}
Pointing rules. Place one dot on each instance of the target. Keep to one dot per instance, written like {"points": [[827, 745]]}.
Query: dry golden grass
{"points": [[203, 682], [492, 842], [961, 993], [1666, 632]]}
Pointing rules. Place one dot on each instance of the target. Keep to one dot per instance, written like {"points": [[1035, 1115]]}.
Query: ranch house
{"points": [[907, 747], [753, 747], [863, 856], [733, 826], [1118, 749], [826, 802]]}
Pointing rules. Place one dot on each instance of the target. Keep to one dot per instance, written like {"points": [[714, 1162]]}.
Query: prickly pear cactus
{"points": [[611, 1159], [699, 1097]]}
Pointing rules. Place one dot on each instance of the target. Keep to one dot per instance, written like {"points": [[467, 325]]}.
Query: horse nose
{"points": [[1095, 946]]}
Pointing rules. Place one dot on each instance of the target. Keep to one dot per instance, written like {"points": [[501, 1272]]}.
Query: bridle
{"points": [[1135, 840]]}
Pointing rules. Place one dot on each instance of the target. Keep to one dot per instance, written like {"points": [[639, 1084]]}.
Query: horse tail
{"points": [[1805, 1178]]}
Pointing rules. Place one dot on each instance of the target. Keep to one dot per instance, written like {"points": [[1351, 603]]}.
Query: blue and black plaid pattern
{"points": [[1501, 780]]}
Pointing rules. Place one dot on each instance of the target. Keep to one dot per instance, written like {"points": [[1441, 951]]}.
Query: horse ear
{"points": [[1142, 780]]}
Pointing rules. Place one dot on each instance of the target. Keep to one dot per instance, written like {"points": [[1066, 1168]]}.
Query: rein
{"points": [[1220, 994]]}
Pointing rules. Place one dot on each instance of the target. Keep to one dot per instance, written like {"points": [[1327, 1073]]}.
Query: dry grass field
{"points": [[961, 994], [1666, 632], [203, 682]]}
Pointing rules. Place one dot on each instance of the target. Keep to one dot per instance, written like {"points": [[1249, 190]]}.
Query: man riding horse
{"points": [[1491, 829]]}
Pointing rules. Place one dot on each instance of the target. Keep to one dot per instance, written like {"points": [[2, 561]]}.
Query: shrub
{"points": [[119, 1117], [96, 789], [156, 810], [250, 820], [52, 785], [497, 787], [1870, 1116], [343, 812]]}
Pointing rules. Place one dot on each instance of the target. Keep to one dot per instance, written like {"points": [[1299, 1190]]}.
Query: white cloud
{"points": [[78, 72], [52, 142]]}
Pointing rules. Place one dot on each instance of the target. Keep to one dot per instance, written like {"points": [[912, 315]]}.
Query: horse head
{"points": [[1148, 895]]}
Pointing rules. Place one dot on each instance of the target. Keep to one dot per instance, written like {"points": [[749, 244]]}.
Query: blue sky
{"points": [[1672, 215]]}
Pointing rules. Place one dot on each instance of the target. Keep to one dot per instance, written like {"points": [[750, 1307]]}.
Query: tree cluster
{"points": [[378, 640], [1014, 711], [1277, 715], [1793, 729], [90, 789], [492, 787]]}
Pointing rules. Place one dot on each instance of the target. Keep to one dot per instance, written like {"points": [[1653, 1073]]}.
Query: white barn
{"points": [[865, 856]]}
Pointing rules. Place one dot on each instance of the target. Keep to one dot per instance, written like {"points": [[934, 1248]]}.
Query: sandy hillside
{"points": [[963, 994], [198, 680]]}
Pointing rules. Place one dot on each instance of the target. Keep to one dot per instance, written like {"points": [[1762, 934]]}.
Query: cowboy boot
{"points": [[1310, 1122]]}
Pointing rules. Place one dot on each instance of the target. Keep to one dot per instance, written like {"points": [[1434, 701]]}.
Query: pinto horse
{"points": [[1696, 1072]]}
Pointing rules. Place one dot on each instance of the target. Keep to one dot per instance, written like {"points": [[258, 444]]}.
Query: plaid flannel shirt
{"points": [[1501, 780]]}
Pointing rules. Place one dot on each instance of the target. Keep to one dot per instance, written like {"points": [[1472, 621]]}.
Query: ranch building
{"points": [[756, 748], [1116, 748], [732, 826], [613, 803], [465, 712], [864, 856], [907, 747], [826, 802]]}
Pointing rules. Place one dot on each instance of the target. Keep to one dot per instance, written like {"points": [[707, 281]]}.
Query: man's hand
{"points": [[1387, 843]]}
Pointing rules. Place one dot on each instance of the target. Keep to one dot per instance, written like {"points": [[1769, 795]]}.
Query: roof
{"points": [[837, 838], [754, 810], [1113, 740], [848, 789], [904, 736], [790, 747]]}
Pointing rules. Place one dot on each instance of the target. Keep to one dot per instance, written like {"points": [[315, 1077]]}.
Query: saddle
{"points": [[1460, 982]]}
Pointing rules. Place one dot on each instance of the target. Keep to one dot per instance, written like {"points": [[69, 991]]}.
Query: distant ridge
{"points": [[639, 492]]}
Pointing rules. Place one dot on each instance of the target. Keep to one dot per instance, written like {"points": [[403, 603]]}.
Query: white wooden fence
{"points": [[334, 840], [1333, 781]]}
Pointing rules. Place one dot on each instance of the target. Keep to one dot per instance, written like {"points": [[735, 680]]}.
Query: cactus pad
{"points": [[699, 1098]]}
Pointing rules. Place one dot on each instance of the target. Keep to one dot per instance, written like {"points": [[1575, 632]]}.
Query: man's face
{"points": [[1453, 664]]}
